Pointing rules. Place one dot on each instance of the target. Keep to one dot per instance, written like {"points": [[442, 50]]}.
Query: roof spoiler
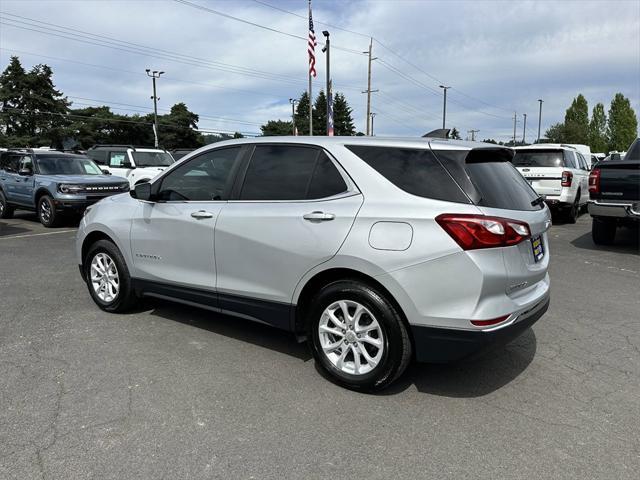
{"points": [[438, 133]]}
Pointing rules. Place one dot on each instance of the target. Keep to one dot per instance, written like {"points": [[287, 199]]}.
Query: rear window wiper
{"points": [[537, 201]]}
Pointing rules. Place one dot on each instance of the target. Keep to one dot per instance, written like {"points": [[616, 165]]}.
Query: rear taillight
{"points": [[472, 232], [594, 181], [567, 178]]}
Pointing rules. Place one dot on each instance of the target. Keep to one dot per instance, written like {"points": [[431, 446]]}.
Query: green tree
{"points": [[179, 129], [622, 127], [556, 133], [275, 128], [302, 114], [489, 140], [455, 134], [576, 121], [320, 114], [342, 116], [598, 129], [13, 90]]}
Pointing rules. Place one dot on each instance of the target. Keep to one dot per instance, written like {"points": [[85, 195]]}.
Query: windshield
{"points": [[634, 151], [538, 158], [152, 159], [67, 165]]}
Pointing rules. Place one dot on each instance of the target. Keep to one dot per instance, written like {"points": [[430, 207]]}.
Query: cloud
{"points": [[500, 57]]}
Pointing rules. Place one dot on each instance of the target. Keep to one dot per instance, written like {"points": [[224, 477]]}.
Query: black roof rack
{"points": [[97, 145]]}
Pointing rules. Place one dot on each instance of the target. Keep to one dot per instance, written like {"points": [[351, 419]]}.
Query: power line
{"points": [[258, 25]]}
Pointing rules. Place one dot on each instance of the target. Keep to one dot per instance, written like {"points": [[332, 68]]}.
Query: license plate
{"points": [[538, 248]]}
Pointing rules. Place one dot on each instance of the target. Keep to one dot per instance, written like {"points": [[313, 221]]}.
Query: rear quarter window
{"points": [[416, 171]]}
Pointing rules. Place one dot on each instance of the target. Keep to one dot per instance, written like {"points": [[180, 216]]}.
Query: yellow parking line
{"points": [[35, 234]]}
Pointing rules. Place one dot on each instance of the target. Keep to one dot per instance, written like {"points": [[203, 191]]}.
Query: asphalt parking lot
{"points": [[175, 392]]}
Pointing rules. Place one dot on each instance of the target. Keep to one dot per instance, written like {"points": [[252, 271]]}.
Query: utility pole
{"points": [[372, 115], [473, 134], [539, 118], [326, 49], [155, 74], [293, 102], [368, 91], [524, 129], [444, 107], [515, 119]]}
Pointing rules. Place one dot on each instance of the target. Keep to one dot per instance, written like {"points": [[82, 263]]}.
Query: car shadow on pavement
{"points": [[6, 229], [627, 241], [229, 326], [474, 377]]}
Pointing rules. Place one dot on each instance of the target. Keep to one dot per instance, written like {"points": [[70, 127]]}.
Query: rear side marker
{"points": [[489, 323]]}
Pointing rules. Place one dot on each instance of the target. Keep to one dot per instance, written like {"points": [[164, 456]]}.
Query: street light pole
{"points": [[444, 106], [539, 118], [372, 115], [293, 102], [524, 129], [155, 74]]}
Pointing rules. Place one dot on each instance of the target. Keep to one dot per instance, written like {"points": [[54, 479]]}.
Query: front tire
{"points": [[5, 210], [47, 212], [603, 231], [107, 277], [357, 336]]}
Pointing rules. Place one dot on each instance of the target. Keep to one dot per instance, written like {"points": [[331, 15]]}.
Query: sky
{"points": [[499, 57]]}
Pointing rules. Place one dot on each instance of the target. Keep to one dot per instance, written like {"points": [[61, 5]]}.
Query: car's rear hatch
{"points": [[542, 168], [492, 183]]}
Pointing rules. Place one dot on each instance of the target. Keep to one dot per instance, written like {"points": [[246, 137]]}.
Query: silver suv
{"points": [[375, 250]]}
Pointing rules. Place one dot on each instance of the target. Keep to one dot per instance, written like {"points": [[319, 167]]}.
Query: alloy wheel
{"points": [[351, 338], [45, 211], [104, 277]]}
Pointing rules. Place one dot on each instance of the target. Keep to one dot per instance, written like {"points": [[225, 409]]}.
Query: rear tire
{"points": [[5, 210], [573, 212], [603, 231], [368, 347], [107, 277], [47, 212]]}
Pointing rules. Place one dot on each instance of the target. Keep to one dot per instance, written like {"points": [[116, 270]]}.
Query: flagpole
{"points": [[310, 95]]}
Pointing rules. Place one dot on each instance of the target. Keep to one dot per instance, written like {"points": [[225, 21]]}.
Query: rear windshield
{"points": [[152, 159], [538, 158], [416, 171], [489, 180]]}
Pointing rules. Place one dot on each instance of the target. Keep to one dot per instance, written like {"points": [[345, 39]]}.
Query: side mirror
{"points": [[142, 191], [105, 171], [25, 172], [127, 165]]}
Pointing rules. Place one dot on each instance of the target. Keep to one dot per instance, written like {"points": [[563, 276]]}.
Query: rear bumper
{"points": [[441, 345], [616, 210]]}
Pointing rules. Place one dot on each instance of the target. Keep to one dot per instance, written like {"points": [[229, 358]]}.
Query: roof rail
{"points": [[112, 145], [438, 133]]}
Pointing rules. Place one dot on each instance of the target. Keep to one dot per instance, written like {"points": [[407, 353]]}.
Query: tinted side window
{"points": [[10, 163], [489, 180], [202, 178], [570, 159], [116, 159], [26, 163], [98, 156], [326, 180], [416, 171], [279, 172]]}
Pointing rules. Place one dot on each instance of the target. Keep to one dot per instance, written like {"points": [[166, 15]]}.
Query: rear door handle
{"points": [[202, 214], [319, 216]]}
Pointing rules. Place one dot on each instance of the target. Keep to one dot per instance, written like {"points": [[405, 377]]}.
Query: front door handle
{"points": [[319, 216], [202, 214]]}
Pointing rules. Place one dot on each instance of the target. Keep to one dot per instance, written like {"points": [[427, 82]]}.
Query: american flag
{"points": [[311, 45]]}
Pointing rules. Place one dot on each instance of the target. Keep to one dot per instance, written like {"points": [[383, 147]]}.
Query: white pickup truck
{"points": [[136, 164]]}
